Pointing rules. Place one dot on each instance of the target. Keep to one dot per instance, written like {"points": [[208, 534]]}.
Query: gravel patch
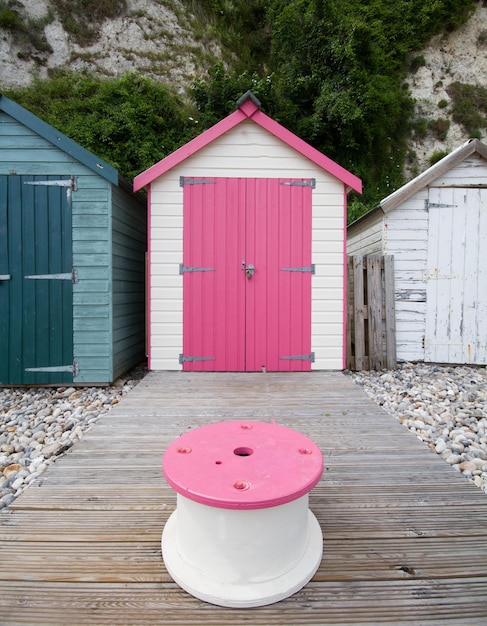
{"points": [[444, 406], [40, 424]]}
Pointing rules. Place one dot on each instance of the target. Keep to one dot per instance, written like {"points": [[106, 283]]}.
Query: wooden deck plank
{"points": [[405, 536], [336, 522], [343, 560], [452, 602]]}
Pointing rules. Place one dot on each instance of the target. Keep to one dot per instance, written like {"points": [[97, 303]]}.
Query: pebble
{"points": [[444, 406], [40, 424]]}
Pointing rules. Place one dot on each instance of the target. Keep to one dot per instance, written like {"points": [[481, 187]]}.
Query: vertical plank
{"points": [[390, 312], [359, 310], [5, 285], [374, 293], [350, 329], [474, 296], [294, 251], [259, 293]]}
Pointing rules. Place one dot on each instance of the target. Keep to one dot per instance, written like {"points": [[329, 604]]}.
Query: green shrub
{"points": [[419, 128], [416, 63], [9, 18], [482, 38], [469, 105], [439, 128], [437, 156]]}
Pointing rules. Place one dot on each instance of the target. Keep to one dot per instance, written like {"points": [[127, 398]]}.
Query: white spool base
{"points": [[246, 595]]}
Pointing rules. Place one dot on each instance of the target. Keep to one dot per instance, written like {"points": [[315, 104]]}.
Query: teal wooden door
{"points": [[36, 280]]}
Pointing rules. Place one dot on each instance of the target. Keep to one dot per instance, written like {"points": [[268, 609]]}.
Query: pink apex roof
{"points": [[248, 108]]}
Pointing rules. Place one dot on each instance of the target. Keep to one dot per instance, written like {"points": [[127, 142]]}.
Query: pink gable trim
{"points": [[188, 149], [308, 151], [248, 109]]}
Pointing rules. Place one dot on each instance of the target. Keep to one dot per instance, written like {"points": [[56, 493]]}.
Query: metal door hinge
{"points": [[437, 205], [190, 359], [299, 357], [307, 268], [71, 183], [300, 183], [73, 369], [183, 180], [189, 268], [72, 276]]}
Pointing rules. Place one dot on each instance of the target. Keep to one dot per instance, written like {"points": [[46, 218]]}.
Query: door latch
{"points": [[248, 269]]}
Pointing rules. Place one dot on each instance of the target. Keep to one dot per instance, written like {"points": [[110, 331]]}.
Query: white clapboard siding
{"points": [[365, 237], [246, 151]]}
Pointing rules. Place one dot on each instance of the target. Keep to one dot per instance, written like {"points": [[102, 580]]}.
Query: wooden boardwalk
{"points": [[405, 536]]}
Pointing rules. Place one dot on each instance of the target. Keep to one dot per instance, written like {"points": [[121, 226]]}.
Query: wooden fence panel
{"points": [[371, 334]]}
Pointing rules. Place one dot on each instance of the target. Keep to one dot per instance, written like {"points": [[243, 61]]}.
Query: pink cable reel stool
{"points": [[242, 534]]}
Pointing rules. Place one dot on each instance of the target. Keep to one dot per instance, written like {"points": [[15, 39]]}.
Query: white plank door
{"points": [[456, 276]]}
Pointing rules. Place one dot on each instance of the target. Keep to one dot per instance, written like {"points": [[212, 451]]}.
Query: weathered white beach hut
{"points": [[436, 228], [246, 267]]}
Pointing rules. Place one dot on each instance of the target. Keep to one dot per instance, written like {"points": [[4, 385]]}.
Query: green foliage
{"points": [[437, 156], [242, 29], [469, 105], [336, 76], [416, 63], [439, 128], [82, 18], [9, 18], [482, 38], [216, 97], [340, 90], [419, 128], [130, 122]]}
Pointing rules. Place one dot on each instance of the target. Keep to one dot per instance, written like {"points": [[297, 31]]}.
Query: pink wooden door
{"points": [[247, 274]]}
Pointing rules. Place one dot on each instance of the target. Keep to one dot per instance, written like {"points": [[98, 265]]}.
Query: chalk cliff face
{"points": [[149, 37], [459, 56], [161, 43]]}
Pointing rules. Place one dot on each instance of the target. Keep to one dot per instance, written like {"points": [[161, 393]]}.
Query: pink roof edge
{"points": [[248, 108]]}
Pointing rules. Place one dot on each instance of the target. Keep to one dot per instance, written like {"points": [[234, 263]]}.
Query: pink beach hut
{"points": [[246, 251]]}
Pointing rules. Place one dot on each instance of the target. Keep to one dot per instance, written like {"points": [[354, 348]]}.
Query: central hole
{"points": [[243, 451]]}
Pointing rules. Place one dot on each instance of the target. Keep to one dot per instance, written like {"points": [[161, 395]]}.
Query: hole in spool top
{"points": [[243, 451]]}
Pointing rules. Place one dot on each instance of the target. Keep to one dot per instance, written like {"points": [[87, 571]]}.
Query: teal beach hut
{"points": [[72, 259]]}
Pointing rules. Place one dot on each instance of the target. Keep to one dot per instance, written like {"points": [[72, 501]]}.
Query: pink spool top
{"points": [[242, 465]]}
